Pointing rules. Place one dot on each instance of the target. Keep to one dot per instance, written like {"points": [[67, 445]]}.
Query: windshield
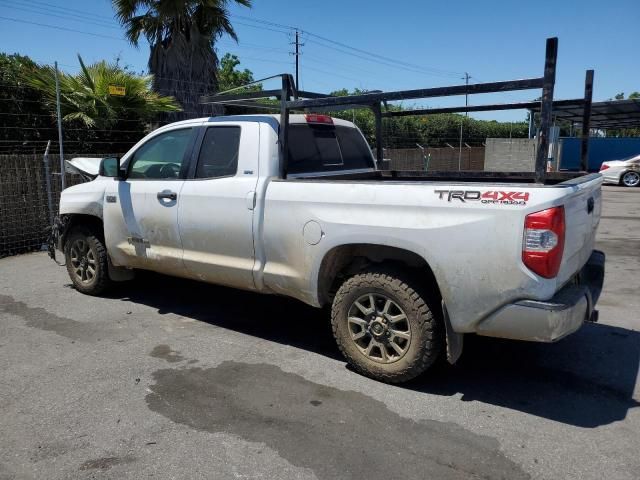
{"points": [[327, 148]]}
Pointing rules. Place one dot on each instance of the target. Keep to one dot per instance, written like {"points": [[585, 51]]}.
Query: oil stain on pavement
{"points": [[335, 433], [36, 317], [165, 352]]}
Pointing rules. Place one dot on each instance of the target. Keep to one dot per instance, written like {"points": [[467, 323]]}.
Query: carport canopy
{"points": [[604, 115]]}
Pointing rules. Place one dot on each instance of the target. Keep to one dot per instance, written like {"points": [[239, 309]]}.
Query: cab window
{"points": [[219, 152], [326, 148], [161, 157]]}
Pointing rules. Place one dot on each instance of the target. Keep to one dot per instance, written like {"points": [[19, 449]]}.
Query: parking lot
{"points": [[173, 379]]}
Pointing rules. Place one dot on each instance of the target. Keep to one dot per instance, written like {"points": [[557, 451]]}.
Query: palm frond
{"points": [[85, 97], [84, 75], [81, 116]]}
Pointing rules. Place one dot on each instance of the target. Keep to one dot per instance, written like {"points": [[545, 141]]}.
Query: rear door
{"points": [[217, 203], [141, 212]]}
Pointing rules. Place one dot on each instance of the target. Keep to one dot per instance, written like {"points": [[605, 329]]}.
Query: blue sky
{"points": [[492, 40]]}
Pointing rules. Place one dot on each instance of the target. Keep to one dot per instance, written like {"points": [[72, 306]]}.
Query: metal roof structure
{"points": [[604, 115]]}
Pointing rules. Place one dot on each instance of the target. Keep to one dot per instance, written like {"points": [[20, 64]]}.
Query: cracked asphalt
{"points": [[166, 378]]}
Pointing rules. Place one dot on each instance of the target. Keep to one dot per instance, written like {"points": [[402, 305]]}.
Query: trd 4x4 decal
{"points": [[499, 197]]}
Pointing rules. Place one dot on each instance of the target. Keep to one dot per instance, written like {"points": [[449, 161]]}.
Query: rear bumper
{"points": [[555, 318]]}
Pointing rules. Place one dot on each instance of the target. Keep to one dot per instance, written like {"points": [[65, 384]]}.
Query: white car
{"points": [[622, 172]]}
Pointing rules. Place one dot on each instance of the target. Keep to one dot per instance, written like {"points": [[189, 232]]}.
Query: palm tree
{"points": [[182, 34], [96, 121], [85, 97]]}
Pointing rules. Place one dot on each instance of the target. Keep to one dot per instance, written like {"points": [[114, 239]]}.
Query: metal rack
{"points": [[290, 99]]}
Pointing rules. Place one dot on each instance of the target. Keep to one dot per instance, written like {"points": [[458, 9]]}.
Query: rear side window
{"points": [[327, 148], [219, 152]]}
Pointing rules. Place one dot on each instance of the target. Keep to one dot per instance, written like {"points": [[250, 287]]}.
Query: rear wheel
{"points": [[86, 260], [630, 179], [384, 326]]}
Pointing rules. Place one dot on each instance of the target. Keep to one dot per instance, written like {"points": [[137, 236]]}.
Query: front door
{"points": [[216, 206], [141, 212]]}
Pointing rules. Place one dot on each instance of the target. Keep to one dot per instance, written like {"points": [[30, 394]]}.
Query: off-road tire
{"points": [[101, 281], [427, 334]]}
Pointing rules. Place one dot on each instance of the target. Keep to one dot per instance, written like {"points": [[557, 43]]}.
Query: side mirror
{"points": [[110, 167]]}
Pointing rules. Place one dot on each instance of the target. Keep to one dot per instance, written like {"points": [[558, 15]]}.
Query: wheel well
{"points": [[74, 220], [346, 260]]}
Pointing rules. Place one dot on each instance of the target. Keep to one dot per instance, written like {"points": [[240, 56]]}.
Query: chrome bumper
{"points": [[555, 318]]}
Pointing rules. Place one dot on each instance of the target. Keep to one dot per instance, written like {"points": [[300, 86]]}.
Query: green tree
{"points": [[91, 114], [25, 124], [182, 35], [229, 77], [85, 97]]}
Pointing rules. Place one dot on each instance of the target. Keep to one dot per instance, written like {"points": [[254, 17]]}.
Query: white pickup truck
{"points": [[408, 266]]}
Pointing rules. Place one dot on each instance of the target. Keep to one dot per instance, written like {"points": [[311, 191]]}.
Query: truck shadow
{"points": [[587, 379]]}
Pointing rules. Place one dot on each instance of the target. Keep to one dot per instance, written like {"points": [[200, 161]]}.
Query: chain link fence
{"points": [[434, 159], [25, 211]]}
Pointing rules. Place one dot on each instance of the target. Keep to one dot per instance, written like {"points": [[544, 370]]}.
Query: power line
{"points": [[333, 74], [263, 24], [279, 28], [380, 62], [58, 7], [61, 14], [374, 56], [324, 61], [253, 46], [381, 57], [261, 28], [56, 27]]}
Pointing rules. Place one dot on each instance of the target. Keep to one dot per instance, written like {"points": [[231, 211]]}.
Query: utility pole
{"points": [[466, 104], [466, 95], [297, 55]]}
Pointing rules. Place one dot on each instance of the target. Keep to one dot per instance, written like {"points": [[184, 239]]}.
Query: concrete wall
{"points": [[510, 155]]}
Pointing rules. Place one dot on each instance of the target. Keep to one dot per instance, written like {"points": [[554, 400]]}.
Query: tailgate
{"points": [[582, 208]]}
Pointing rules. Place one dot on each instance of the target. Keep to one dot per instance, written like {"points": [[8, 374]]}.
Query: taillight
{"points": [[543, 241], [317, 118], [604, 166]]}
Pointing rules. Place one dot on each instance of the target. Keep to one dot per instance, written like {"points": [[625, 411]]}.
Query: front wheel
{"points": [[86, 260], [384, 326], [630, 179]]}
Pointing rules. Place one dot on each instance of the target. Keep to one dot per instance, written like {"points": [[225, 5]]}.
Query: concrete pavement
{"points": [[173, 379]]}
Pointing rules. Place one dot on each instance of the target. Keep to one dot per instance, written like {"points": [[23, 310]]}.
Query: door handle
{"points": [[251, 200], [166, 194]]}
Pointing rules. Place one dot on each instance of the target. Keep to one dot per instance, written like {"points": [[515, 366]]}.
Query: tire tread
{"points": [[427, 323], [103, 282]]}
